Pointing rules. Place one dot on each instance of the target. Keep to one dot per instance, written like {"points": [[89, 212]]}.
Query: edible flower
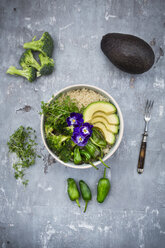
{"points": [[86, 129], [79, 139], [75, 119], [81, 134], [82, 131]]}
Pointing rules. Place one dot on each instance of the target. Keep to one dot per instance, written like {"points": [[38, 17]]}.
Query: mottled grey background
{"points": [[42, 215]]}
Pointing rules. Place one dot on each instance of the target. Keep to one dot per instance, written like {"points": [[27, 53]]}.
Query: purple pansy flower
{"points": [[75, 119], [82, 131], [86, 129], [81, 134], [79, 139], [76, 129]]}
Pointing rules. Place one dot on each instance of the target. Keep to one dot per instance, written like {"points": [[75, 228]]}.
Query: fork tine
{"points": [[152, 104], [150, 107], [146, 106]]}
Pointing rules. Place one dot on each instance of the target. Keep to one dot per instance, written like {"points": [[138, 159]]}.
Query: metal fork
{"points": [[147, 118]]}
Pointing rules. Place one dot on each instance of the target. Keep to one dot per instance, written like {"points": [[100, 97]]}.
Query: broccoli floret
{"points": [[67, 150], [27, 59], [68, 130], [28, 72], [44, 45], [47, 65], [56, 141]]}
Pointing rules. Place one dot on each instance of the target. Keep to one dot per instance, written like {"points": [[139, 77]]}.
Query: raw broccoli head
{"points": [[44, 45], [27, 59], [47, 65], [28, 72], [56, 142]]}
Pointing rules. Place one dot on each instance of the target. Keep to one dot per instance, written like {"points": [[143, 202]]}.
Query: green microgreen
{"points": [[57, 111]]}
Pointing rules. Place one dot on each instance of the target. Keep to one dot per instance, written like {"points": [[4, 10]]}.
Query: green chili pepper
{"points": [[77, 156], [93, 150], [103, 188], [86, 157], [86, 193], [73, 191], [97, 138]]}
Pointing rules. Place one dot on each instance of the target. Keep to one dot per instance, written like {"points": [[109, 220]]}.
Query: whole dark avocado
{"points": [[129, 53]]}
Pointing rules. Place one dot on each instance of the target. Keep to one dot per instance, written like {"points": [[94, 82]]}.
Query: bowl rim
{"points": [[120, 135]]}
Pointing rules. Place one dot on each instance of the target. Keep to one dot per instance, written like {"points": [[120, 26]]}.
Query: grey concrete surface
{"points": [[41, 215]]}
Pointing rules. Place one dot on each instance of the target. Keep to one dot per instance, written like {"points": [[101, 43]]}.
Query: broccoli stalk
{"points": [[44, 45], [28, 72], [27, 59]]}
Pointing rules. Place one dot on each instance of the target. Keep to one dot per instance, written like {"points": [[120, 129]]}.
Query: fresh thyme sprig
{"points": [[22, 142]]}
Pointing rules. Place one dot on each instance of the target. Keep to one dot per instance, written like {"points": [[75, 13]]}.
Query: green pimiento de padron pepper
{"points": [[93, 150], [73, 191], [97, 138], [103, 188], [85, 192], [77, 155], [86, 156], [95, 153]]}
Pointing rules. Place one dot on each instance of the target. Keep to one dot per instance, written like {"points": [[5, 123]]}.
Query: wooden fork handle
{"points": [[142, 154]]}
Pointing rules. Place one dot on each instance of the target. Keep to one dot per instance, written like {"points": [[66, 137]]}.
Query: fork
{"points": [[147, 118]]}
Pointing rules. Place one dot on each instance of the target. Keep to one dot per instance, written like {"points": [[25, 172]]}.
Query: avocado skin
{"points": [[128, 52]]}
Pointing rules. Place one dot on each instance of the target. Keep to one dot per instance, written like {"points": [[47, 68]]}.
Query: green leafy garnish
{"points": [[57, 133], [57, 111], [22, 143]]}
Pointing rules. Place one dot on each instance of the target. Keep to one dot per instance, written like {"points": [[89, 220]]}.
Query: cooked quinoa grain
{"points": [[84, 97]]}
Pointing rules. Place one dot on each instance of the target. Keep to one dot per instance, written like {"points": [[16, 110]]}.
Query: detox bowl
{"points": [[118, 137]]}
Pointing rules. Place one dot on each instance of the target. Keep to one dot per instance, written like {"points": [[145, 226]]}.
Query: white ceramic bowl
{"points": [[118, 138]]}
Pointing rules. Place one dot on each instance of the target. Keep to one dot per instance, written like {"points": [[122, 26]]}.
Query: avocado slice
{"points": [[105, 107], [112, 128], [109, 137], [112, 119]]}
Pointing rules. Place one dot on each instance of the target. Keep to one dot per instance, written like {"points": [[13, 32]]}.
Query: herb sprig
{"points": [[22, 143], [57, 111]]}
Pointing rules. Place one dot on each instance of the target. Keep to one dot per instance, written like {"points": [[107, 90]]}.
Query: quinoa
{"points": [[106, 149], [84, 97]]}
